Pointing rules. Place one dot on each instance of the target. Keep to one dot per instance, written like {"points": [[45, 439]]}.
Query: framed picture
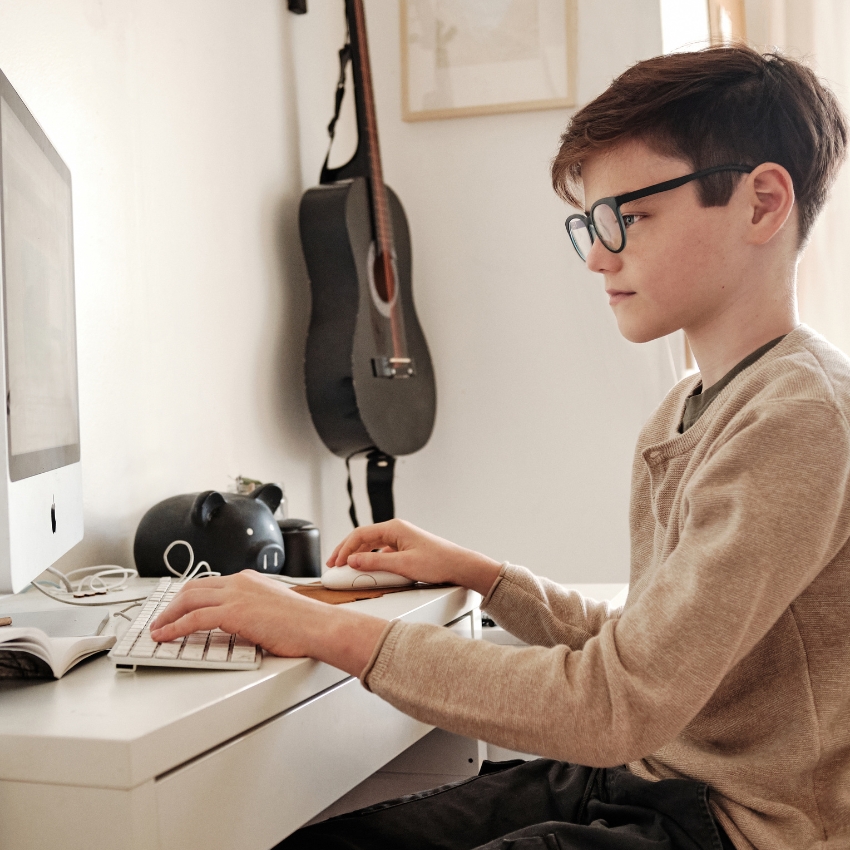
{"points": [[478, 57]]}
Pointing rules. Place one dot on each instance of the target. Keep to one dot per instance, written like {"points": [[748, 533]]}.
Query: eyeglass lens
{"points": [[580, 236], [607, 227]]}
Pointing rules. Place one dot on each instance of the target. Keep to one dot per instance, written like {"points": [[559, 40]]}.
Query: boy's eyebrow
{"points": [[649, 199]]}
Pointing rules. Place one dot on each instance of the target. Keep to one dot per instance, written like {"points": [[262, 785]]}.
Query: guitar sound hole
{"points": [[384, 280]]}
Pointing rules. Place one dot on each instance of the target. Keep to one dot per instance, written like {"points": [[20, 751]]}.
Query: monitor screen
{"points": [[38, 277]]}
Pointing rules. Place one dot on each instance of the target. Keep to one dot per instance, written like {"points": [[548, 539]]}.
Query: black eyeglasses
{"points": [[606, 221]]}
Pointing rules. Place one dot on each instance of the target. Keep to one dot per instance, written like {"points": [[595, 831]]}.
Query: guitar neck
{"points": [[368, 126]]}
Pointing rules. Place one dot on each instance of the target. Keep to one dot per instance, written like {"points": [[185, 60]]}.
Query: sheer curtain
{"points": [[818, 31]]}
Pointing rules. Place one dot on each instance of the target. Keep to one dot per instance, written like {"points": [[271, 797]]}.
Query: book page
{"points": [[61, 653]]}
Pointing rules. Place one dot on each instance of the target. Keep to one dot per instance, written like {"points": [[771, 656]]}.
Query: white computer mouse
{"points": [[347, 578]]}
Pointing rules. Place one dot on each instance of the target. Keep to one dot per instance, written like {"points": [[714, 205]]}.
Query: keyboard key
{"points": [[217, 653], [244, 654], [170, 649], [192, 653], [194, 648], [144, 649], [219, 647]]}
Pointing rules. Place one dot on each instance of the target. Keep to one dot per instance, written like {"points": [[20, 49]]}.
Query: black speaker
{"points": [[301, 547]]}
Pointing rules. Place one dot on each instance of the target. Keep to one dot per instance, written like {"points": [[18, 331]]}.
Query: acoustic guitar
{"points": [[370, 381]]}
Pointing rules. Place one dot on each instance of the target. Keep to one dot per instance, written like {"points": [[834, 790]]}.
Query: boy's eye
{"points": [[630, 218]]}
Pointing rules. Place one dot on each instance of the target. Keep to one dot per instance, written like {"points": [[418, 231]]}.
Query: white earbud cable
{"points": [[86, 582]]}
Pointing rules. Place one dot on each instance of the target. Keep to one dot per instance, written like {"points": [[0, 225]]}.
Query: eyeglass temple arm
{"points": [[679, 181]]}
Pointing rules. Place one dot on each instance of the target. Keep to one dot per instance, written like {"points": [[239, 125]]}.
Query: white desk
{"points": [[177, 760]]}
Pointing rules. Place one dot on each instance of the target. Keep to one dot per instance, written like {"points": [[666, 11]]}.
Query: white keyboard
{"points": [[213, 650]]}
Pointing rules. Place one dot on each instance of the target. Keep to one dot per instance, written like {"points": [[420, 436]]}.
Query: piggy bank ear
{"points": [[205, 506], [269, 494]]}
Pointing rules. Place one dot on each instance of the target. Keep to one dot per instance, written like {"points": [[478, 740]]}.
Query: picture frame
{"points": [[483, 57]]}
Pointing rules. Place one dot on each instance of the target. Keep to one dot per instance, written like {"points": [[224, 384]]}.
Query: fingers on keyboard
{"points": [[215, 648]]}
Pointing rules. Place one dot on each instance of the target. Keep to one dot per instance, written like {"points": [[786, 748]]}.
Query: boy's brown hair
{"points": [[711, 107]]}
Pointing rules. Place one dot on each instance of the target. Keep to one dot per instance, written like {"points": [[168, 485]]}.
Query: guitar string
{"points": [[383, 225]]}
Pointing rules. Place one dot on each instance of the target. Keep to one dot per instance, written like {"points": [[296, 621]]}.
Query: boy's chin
{"points": [[635, 332]]}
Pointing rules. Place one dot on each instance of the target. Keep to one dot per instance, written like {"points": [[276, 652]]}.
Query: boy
{"points": [[726, 671]]}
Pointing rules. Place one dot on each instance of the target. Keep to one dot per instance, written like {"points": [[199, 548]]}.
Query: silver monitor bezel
{"points": [[34, 463]]}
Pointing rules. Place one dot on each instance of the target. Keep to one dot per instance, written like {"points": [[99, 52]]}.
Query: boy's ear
{"points": [[771, 197]]}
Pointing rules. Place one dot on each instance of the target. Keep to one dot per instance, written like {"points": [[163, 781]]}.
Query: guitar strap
{"points": [[352, 510], [380, 469], [344, 58]]}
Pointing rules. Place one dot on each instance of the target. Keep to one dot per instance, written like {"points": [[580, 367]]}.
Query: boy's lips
{"points": [[615, 296]]}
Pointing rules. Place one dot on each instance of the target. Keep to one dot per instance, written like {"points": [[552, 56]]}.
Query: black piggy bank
{"points": [[228, 531]]}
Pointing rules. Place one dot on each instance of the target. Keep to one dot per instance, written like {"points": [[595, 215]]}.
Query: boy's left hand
{"points": [[246, 604], [265, 612]]}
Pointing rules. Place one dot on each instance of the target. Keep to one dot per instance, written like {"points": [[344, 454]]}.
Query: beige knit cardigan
{"points": [[730, 662]]}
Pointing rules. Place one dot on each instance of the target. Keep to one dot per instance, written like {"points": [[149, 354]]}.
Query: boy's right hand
{"points": [[411, 552]]}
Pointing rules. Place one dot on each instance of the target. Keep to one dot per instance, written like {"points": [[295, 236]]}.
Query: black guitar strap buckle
{"points": [[380, 470]]}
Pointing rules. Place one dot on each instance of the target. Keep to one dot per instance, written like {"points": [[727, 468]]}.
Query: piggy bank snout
{"points": [[268, 558]]}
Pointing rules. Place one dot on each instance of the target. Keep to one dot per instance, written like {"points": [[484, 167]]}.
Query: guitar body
{"points": [[353, 408]]}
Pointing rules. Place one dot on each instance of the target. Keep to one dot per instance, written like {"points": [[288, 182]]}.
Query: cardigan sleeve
{"points": [[541, 612], [762, 517]]}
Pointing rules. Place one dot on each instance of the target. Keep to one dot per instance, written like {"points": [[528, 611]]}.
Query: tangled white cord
{"points": [[109, 578], [190, 571], [94, 580]]}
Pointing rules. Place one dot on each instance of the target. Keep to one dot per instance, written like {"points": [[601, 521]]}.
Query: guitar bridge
{"points": [[393, 367]]}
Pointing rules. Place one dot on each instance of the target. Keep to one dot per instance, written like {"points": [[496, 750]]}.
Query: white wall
{"points": [[187, 125], [175, 119], [539, 398], [684, 25]]}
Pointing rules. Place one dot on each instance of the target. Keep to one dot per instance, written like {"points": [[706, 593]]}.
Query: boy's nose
{"points": [[600, 259]]}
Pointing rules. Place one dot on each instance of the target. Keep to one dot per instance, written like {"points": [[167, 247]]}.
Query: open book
{"points": [[28, 652]]}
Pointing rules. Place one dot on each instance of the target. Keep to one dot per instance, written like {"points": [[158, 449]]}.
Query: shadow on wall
{"points": [[291, 414]]}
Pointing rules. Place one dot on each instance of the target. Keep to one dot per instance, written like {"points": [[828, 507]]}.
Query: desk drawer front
{"points": [[260, 787]]}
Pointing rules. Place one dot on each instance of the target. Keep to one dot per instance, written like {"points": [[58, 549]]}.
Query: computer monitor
{"points": [[41, 501]]}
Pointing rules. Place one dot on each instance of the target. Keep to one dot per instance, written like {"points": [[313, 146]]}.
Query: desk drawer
{"points": [[253, 791]]}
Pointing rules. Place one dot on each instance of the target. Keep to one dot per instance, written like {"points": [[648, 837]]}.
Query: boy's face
{"points": [[684, 264]]}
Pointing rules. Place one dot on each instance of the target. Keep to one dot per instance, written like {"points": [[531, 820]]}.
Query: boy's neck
{"points": [[763, 314]]}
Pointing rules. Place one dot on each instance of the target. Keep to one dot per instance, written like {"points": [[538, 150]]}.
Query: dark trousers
{"points": [[535, 805]]}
